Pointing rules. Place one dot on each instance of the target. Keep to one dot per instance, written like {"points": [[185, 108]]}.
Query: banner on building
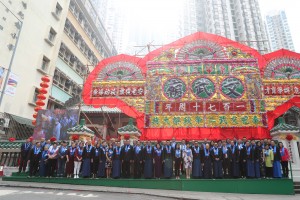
{"points": [[12, 84], [55, 123], [2, 71]]}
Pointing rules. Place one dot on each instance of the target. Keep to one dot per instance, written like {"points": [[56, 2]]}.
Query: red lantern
{"points": [[12, 139], [33, 122], [75, 137], [289, 137], [40, 103], [41, 96], [45, 79], [36, 109], [44, 85], [35, 115], [43, 91]]}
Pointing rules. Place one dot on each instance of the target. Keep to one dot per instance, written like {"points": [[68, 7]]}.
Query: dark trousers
{"points": [[33, 167], [61, 167], [137, 172], [226, 167], [177, 166], [243, 167], [181, 166], [269, 172], [95, 166], [52, 166], [23, 164], [285, 168], [126, 169]]}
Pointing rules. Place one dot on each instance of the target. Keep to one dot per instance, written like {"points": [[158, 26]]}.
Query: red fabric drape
{"points": [[272, 115], [202, 133]]}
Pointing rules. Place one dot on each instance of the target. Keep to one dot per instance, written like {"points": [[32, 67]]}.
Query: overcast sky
{"points": [[292, 10]]}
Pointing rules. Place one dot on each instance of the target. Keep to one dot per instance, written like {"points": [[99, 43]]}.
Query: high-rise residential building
{"points": [[63, 39], [239, 20], [278, 31]]}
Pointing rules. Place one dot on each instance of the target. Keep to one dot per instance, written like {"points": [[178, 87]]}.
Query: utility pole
{"points": [[13, 54]]}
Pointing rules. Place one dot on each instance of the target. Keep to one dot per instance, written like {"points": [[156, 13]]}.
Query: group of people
{"points": [[209, 159]]}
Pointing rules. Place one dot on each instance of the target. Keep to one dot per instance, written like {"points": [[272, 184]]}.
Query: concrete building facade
{"points": [[239, 20], [278, 31], [64, 39]]}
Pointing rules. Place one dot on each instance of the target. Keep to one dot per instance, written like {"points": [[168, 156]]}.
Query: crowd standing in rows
{"points": [[207, 159]]}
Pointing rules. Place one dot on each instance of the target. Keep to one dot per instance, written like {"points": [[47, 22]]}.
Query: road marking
{"points": [[72, 194], [7, 192]]}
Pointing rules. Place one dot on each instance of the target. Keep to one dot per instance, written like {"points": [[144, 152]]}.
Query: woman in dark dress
{"points": [[178, 158], [257, 159], [158, 161], [70, 160], [44, 164], [87, 157], [102, 162], [109, 157], [116, 162], [138, 160], [197, 167], [96, 160], [148, 160], [235, 160], [207, 162]]}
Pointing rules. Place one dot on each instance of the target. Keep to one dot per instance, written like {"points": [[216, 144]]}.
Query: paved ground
{"points": [[11, 193], [12, 190]]}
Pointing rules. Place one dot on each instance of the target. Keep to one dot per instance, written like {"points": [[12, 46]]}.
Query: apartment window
{"points": [[58, 9], [34, 98], [52, 35], [45, 63]]}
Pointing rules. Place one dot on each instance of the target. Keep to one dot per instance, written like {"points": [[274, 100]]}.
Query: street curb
{"points": [[98, 191]]}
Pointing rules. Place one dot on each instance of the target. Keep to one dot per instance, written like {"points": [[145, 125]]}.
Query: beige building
{"points": [[63, 39]]}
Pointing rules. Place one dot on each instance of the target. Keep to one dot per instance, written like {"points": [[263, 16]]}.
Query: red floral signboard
{"points": [[198, 106], [281, 89], [117, 91]]}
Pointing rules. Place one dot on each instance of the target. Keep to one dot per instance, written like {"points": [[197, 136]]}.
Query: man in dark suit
{"points": [[127, 158], [34, 157], [25, 148], [138, 160]]}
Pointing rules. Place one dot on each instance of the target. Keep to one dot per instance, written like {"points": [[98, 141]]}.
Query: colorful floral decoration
{"points": [[200, 49], [12, 139], [202, 85], [174, 88], [203, 88], [235, 53], [118, 71], [232, 87]]}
